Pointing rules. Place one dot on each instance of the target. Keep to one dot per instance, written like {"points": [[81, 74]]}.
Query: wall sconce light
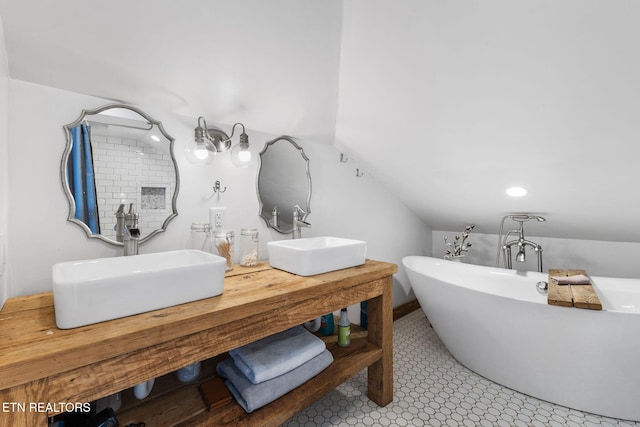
{"points": [[209, 141]]}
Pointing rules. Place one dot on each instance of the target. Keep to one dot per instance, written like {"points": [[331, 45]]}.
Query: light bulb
{"points": [[199, 151], [244, 155]]}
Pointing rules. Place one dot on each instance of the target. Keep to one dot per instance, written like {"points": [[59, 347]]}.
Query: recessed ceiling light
{"points": [[516, 191]]}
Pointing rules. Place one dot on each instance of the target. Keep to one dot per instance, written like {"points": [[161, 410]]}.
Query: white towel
{"points": [[277, 354], [578, 279]]}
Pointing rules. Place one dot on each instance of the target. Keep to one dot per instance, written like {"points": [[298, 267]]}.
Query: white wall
{"points": [[4, 161], [599, 258], [363, 208], [274, 63], [341, 203], [458, 100]]}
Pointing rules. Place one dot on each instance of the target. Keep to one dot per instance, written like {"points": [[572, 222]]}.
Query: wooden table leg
{"points": [[380, 328], [24, 405]]}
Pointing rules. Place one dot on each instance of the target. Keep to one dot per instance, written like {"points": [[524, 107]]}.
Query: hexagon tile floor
{"points": [[432, 389]]}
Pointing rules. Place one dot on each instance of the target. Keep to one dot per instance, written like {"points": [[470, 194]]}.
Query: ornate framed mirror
{"points": [[283, 182], [118, 155]]}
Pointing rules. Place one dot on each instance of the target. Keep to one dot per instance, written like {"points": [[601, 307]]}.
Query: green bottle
{"points": [[344, 329]]}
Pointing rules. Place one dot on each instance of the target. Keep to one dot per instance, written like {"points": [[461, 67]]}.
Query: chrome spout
{"points": [[298, 223], [131, 217], [127, 230], [131, 239], [521, 256], [520, 242]]}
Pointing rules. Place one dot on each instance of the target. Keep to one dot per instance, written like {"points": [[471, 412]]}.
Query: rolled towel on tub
{"points": [[253, 396], [277, 354], [578, 279]]}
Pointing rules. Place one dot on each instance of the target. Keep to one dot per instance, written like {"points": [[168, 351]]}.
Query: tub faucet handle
{"points": [[542, 286]]}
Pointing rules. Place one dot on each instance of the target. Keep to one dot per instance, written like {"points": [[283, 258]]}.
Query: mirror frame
{"points": [[65, 182], [307, 206]]}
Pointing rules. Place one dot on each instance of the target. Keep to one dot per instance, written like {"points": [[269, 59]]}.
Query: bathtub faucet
{"points": [[520, 242]]}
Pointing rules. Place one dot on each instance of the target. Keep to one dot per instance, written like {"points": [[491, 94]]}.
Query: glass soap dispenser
{"points": [[248, 247]]}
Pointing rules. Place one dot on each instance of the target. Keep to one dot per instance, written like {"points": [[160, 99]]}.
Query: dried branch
{"points": [[458, 246]]}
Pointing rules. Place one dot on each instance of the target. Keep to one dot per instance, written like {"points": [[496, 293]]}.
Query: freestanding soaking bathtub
{"points": [[496, 323]]}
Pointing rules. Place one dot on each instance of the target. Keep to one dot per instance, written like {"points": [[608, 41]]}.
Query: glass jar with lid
{"points": [[201, 237], [248, 247], [223, 242]]}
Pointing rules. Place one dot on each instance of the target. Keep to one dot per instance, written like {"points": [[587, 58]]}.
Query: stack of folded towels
{"points": [[260, 372]]}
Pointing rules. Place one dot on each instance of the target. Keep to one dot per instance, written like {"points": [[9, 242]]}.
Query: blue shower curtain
{"points": [[81, 178]]}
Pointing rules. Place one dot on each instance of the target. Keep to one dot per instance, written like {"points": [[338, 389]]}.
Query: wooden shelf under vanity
{"points": [[41, 363]]}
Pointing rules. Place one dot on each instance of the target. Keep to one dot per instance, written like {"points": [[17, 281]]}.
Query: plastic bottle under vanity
{"points": [[364, 321], [344, 329], [326, 324]]}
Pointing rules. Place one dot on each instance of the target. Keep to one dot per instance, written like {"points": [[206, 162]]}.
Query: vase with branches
{"points": [[459, 246]]}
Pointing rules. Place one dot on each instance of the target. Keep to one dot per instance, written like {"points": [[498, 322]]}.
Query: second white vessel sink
{"points": [[95, 290], [315, 255]]}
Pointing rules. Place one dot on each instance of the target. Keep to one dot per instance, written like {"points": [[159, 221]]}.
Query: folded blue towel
{"points": [[253, 396], [277, 354]]}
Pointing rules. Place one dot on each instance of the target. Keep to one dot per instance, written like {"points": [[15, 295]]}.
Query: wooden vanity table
{"points": [[41, 364]]}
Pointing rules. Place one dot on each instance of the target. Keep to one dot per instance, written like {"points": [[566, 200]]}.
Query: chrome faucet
{"points": [[521, 242], [131, 217], [127, 230], [131, 240], [120, 226], [275, 218], [298, 223]]}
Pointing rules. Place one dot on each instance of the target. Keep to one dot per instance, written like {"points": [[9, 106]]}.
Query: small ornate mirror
{"points": [[283, 182], [117, 155]]}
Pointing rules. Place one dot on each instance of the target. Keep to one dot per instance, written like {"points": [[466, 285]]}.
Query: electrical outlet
{"points": [[218, 218]]}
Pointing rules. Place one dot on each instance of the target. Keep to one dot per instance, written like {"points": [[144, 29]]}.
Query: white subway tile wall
{"points": [[129, 171]]}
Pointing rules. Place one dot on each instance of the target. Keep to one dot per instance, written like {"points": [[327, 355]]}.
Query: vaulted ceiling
{"points": [[273, 64], [445, 103]]}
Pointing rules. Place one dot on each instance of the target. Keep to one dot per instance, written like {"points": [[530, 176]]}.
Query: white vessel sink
{"points": [[315, 255], [95, 290]]}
